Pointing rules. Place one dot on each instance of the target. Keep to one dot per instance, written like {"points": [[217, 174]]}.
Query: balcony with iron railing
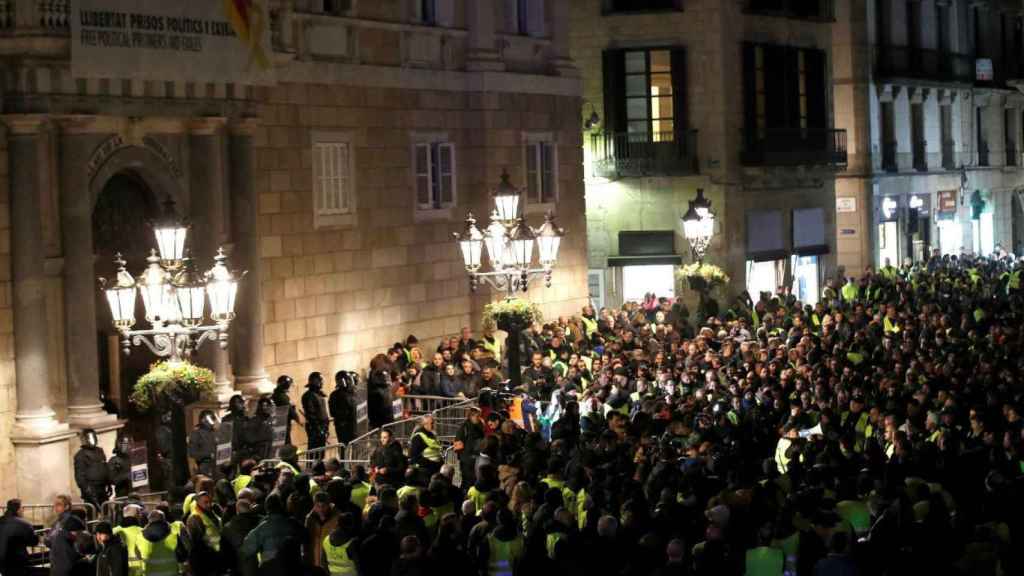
{"points": [[905, 62], [889, 163], [631, 154], [814, 10], [795, 147], [949, 155]]}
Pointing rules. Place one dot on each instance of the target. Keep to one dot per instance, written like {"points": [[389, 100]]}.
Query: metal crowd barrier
{"points": [[42, 514], [39, 555], [112, 510]]}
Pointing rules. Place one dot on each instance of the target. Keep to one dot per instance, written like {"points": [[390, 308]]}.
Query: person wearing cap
{"points": [[112, 554], [16, 535], [204, 533]]}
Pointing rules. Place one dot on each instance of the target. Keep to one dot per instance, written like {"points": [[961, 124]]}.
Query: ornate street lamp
{"points": [[174, 296], [509, 244], [699, 225]]}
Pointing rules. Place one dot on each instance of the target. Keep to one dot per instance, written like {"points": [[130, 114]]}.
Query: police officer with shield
{"points": [[120, 466]]}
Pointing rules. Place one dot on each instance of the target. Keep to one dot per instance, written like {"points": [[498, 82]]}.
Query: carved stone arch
{"points": [[148, 167]]}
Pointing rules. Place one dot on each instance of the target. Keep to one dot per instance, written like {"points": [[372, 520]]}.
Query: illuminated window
{"points": [[649, 104]]}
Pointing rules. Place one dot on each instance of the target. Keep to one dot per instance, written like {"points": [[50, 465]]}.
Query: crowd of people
{"points": [[877, 431]]}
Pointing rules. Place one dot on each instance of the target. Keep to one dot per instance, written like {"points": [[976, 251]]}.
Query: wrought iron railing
{"points": [[905, 62], [795, 147], [625, 154]]}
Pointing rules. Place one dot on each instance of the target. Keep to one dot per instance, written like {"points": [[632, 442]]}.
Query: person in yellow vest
{"points": [[501, 550], [554, 481], [129, 531], [161, 549], [244, 478], [424, 447], [589, 321], [360, 488], [204, 528], [891, 323], [850, 290], [556, 543], [338, 554], [320, 523], [764, 560]]}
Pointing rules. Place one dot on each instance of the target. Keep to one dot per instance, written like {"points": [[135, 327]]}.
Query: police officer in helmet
{"points": [[120, 466], [91, 473], [202, 444], [281, 398], [316, 412]]}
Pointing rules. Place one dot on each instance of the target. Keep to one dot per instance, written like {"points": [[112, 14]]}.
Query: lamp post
{"points": [[699, 225], [174, 295], [508, 242]]}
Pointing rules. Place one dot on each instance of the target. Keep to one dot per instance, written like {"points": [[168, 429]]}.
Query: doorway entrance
{"points": [[121, 224]]}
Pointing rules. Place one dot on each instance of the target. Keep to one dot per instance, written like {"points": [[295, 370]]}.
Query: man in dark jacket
{"points": [[467, 445], [430, 378], [112, 555], [235, 531], [16, 535], [202, 444], [91, 474], [260, 430], [313, 407], [120, 467], [281, 398], [388, 461], [62, 535], [266, 540], [342, 406], [204, 536], [239, 420], [378, 398]]}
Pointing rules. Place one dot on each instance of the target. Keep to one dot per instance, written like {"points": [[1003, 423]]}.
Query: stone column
{"points": [[40, 440], [560, 56], [207, 208], [84, 407], [482, 53], [247, 329]]}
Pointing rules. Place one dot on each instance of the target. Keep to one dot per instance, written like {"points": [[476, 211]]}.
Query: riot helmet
{"points": [[89, 438], [123, 445], [236, 405], [315, 381], [284, 383], [207, 419], [265, 408]]}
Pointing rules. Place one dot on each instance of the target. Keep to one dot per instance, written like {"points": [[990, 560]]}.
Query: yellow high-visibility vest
{"points": [[432, 448], [159, 558], [338, 561], [502, 555], [130, 535]]}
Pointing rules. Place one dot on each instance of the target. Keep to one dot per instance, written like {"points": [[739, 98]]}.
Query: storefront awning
{"points": [[809, 232], [764, 235], [673, 259]]}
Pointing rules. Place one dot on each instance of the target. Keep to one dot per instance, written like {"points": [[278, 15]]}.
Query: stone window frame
{"points": [[344, 212], [530, 141], [427, 139]]}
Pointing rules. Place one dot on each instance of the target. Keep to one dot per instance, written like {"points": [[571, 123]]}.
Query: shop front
{"points": [[646, 264], [904, 228], [775, 265]]}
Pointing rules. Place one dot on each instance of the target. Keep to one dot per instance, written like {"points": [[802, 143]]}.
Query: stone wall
{"points": [[335, 297], [8, 391]]}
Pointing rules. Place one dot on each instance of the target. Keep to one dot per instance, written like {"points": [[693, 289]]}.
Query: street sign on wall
{"points": [[947, 202]]}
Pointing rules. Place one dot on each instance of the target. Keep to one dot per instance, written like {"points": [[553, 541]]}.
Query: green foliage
{"points": [[516, 311], [178, 382]]}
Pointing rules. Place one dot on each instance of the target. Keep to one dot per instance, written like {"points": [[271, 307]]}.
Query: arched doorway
{"points": [[121, 221]]}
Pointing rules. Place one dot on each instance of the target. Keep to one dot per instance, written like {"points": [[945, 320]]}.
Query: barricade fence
{"points": [[113, 510]]}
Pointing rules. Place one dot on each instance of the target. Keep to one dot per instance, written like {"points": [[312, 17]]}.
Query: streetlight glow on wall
{"points": [[509, 243], [174, 296], [699, 225]]}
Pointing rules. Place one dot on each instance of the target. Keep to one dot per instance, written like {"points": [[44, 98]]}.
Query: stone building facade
{"points": [[732, 97], [337, 187], [926, 92]]}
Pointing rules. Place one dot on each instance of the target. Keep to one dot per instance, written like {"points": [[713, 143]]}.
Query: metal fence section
{"points": [[113, 510], [326, 453], [448, 415], [42, 514]]}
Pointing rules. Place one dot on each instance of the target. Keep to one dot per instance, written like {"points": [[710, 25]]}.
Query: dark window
{"points": [[882, 23], [979, 35], [982, 138], [888, 138], [523, 16], [641, 5], [917, 135], [913, 24], [428, 12], [645, 92], [794, 8], [784, 88], [942, 27], [946, 133]]}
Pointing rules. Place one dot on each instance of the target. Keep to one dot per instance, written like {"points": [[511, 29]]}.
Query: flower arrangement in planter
{"points": [[703, 277], [511, 313], [171, 383]]}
